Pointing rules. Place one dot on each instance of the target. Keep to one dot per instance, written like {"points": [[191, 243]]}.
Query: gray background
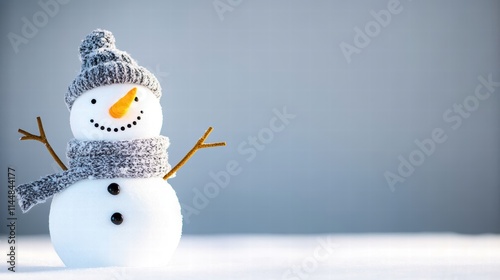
{"points": [[325, 171]]}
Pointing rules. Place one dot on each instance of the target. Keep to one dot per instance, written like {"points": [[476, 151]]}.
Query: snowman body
{"points": [[84, 235], [116, 221]]}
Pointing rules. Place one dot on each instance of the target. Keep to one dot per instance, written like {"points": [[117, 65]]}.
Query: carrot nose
{"points": [[120, 108]]}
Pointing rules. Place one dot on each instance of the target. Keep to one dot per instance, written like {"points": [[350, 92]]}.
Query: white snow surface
{"points": [[365, 256]]}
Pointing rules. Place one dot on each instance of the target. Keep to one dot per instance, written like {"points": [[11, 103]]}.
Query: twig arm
{"points": [[42, 138], [199, 145]]}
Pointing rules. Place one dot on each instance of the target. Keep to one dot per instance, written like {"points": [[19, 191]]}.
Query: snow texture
{"points": [[368, 256]]}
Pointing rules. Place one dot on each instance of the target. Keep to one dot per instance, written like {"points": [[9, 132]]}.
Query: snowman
{"points": [[113, 206]]}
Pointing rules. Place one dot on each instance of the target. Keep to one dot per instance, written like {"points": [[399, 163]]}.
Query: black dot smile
{"points": [[116, 129]]}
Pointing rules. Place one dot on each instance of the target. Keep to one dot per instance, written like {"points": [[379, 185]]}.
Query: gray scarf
{"points": [[139, 158]]}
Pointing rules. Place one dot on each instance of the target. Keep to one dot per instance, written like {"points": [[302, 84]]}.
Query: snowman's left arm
{"points": [[199, 145], [42, 138]]}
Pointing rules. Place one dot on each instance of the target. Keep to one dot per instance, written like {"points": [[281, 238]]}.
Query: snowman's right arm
{"points": [[199, 145], [42, 138]]}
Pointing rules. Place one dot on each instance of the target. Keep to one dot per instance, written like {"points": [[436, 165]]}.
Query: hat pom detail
{"points": [[98, 39], [104, 64]]}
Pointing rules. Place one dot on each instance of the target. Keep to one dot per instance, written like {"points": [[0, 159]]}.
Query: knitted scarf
{"points": [[139, 158]]}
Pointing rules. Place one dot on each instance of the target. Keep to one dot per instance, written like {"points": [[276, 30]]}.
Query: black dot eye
{"points": [[117, 218], [114, 188], [93, 101], [136, 99]]}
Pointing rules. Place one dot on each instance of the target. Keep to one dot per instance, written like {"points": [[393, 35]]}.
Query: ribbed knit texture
{"points": [[104, 64]]}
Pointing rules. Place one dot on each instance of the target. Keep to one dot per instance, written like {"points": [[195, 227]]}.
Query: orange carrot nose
{"points": [[120, 108]]}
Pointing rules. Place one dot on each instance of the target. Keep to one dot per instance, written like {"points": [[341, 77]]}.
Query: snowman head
{"points": [[112, 98], [116, 112]]}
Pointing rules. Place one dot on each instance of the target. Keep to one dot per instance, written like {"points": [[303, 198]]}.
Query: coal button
{"points": [[117, 218], [114, 188]]}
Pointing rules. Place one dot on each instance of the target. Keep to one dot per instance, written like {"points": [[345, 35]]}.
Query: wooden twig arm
{"points": [[42, 138], [199, 145]]}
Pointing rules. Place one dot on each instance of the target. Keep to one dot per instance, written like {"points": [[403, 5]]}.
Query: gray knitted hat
{"points": [[104, 64]]}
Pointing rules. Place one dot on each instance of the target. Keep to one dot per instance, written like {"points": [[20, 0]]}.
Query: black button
{"points": [[114, 188], [117, 218]]}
